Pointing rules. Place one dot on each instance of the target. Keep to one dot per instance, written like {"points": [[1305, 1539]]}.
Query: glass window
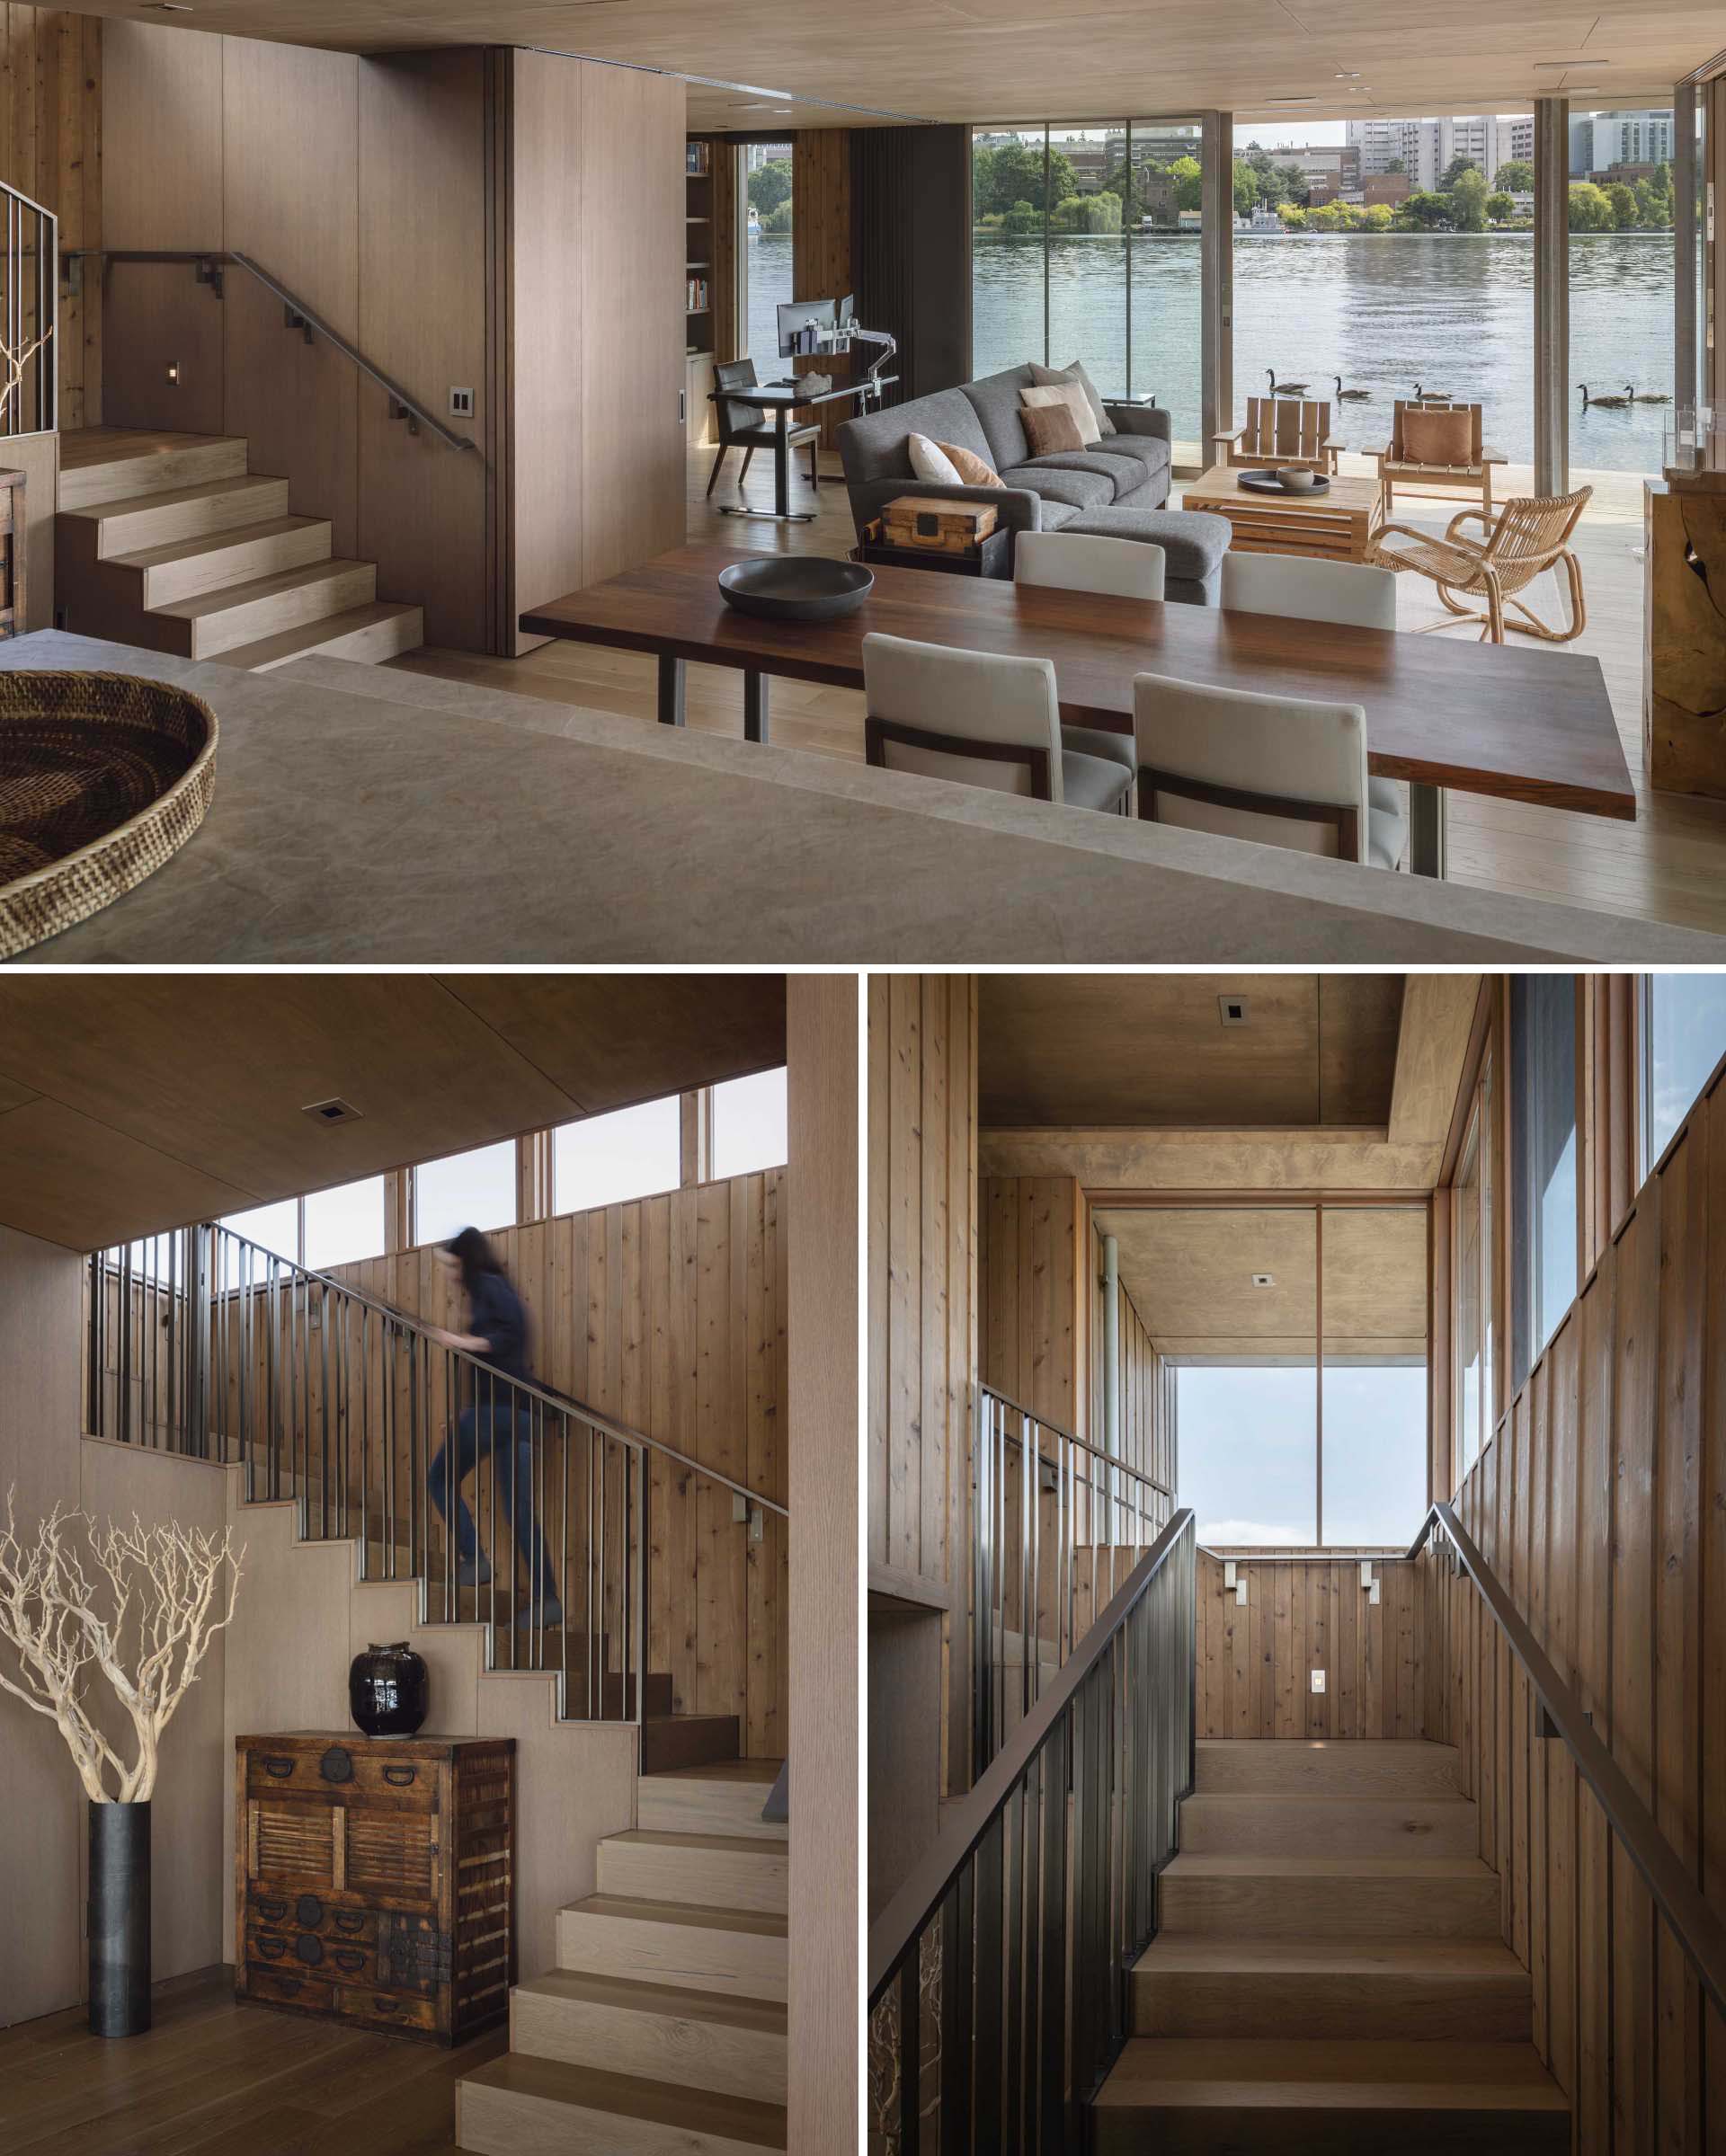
{"points": [[605, 1160], [1472, 1242], [464, 1189], [1373, 1429], [1683, 1031], [1249, 1452], [1087, 253], [767, 256], [1623, 270], [1542, 1032], [346, 1224], [272, 1226], [1165, 327], [748, 1130], [1008, 256]]}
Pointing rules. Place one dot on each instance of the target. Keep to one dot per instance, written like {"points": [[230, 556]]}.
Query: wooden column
{"points": [[820, 244], [823, 1435], [1216, 270], [1684, 244], [695, 1136], [1552, 295]]}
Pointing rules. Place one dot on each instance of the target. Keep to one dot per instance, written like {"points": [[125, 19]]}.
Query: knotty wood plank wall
{"points": [[667, 1314], [1035, 1248], [924, 1307], [1303, 1614], [1147, 1417], [820, 244], [50, 148], [1601, 1504]]}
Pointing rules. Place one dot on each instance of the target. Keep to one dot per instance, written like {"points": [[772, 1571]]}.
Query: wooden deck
{"points": [[1668, 866]]}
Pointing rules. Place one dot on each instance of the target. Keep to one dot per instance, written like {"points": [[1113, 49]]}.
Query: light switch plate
{"points": [[461, 403], [1317, 1680]]}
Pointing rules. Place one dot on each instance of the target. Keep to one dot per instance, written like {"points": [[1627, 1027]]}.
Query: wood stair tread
{"points": [[1197, 1953], [172, 497], [764, 1771], [207, 603], [1202, 1864], [632, 1906], [1235, 2071], [82, 445], [659, 2103], [729, 2009], [214, 542], [731, 1845]]}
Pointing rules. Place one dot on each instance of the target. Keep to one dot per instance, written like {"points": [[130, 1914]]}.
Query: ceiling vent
{"points": [[1264, 1280], [1233, 1009], [332, 1111]]}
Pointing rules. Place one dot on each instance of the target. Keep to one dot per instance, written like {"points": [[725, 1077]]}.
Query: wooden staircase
{"points": [[170, 541], [663, 2026], [1329, 1972]]}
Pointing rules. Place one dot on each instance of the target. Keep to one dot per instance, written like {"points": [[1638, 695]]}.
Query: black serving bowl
{"points": [[795, 587]]}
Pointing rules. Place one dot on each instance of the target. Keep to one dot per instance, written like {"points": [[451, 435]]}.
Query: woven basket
{"points": [[102, 778]]}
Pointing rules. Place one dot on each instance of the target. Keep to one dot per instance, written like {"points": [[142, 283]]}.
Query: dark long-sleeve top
{"points": [[496, 1316]]}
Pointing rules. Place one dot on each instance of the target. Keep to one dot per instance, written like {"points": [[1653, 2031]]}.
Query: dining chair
{"points": [[982, 718], [1353, 594], [1077, 560], [1279, 770], [747, 428]]}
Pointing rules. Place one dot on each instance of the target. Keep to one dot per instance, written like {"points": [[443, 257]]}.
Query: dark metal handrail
{"points": [[1698, 1928], [1038, 1894], [300, 316]]}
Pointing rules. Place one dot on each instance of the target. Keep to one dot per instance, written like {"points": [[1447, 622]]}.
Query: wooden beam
{"points": [[1111, 1164], [1216, 278], [1431, 1050], [1552, 295]]}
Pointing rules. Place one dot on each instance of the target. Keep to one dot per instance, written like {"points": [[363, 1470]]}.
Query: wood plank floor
{"points": [[226, 2079], [1668, 866]]}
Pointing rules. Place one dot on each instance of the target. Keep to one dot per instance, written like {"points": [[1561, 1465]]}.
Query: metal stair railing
{"points": [[30, 316]]}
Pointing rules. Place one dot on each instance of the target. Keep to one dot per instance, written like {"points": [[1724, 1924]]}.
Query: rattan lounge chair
{"points": [[1527, 536]]}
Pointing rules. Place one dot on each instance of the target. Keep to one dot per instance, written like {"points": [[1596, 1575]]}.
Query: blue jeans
{"points": [[511, 1469]]}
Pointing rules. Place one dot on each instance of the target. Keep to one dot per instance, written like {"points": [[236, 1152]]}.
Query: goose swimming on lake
{"points": [[1352, 396], [1285, 388], [1610, 403], [1649, 396], [1430, 396]]}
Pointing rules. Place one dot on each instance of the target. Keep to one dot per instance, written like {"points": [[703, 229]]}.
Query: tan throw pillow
{"points": [[1076, 373], [1436, 437], [1073, 397], [971, 469], [1051, 428]]}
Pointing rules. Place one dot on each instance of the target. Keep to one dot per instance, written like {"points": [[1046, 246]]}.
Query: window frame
{"points": [[1478, 1133]]}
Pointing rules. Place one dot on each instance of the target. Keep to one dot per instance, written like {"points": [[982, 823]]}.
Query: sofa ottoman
{"points": [[1193, 542]]}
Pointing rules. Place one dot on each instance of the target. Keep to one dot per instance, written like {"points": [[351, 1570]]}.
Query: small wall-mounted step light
{"points": [[1234, 1581], [173, 373], [1369, 1582], [1233, 1009], [1317, 1680], [332, 1111], [1264, 1280]]}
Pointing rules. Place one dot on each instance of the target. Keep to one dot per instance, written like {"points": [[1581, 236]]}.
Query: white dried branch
{"points": [[143, 1618]]}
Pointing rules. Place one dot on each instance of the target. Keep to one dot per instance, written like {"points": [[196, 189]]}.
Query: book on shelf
{"points": [[696, 160], [695, 295]]}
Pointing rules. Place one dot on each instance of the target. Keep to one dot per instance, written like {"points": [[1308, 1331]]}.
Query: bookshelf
{"points": [[699, 251]]}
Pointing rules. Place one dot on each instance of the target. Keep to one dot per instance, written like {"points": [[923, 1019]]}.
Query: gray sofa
{"points": [[1117, 486]]}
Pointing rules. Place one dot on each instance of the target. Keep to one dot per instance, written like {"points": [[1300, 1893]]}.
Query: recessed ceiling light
{"points": [[330, 1110], [1347, 75], [1291, 101], [1232, 1009], [1588, 64], [1264, 1280]]}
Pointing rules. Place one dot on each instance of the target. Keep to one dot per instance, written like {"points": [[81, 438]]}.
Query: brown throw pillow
{"points": [[1436, 437], [1073, 395], [1050, 429], [971, 468]]}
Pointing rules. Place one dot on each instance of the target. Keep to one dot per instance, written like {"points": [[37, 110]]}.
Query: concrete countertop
{"points": [[367, 816]]}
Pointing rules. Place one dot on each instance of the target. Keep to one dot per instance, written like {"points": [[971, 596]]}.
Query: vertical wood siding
{"points": [[50, 149], [1601, 1504]]}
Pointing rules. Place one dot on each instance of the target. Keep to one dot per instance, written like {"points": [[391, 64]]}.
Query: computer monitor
{"points": [[798, 315]]}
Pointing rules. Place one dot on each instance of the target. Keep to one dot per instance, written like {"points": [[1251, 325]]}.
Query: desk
{"points": [[1530, 726], [771, 396]]}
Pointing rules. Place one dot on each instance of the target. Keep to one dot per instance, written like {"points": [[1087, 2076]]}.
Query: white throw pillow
{"points": [[929, 461], [1045, 375]]}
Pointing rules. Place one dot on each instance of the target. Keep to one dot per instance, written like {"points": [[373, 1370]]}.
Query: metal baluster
{"points": [[958, 2026], [1028, 1645], [911, 2048], [323, 1415], [642, 1589], [564, 1596], [588, 1648]]}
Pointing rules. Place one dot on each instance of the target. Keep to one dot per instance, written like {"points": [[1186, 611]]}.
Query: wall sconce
{"points": [[173, 373], [1234, 1581], [1369, 1582]]}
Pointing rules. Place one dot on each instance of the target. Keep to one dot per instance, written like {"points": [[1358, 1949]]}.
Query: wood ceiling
{"points": [[136, 1103], [1190, 1274], [815, 62], [1152, 1051]]}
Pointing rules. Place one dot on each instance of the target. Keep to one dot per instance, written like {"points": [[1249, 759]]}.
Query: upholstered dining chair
{"points": [[1350, 592], [1528, 535], [1077, 560], [1279, 770], [747, 428], [982, 718]]}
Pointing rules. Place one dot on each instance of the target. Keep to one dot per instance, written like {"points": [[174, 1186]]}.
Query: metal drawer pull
{"points": [[385, 2005], [273, 1950], [400, 1776], [274, 1764], [272, 1910], [350, 1959], [350, 1920]]}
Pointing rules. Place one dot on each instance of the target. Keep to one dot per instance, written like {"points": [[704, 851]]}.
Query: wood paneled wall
{"points": [[50, 149], [820, 244], [1034, 1295], [668, 1314], [1601, 1504], [1147, 1410], [910, 249], [1302, 1614]]}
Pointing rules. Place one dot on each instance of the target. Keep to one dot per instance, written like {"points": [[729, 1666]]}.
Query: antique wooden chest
{"points": [[943, 526], [374, 1878]]}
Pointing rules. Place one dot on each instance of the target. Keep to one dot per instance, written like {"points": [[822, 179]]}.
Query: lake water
{"points": [[1453, 311]]}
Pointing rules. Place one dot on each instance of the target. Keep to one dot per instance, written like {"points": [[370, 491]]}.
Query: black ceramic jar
{"points": [[389, 1691]]}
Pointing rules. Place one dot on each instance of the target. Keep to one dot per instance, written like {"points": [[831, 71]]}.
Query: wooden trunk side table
{"points": [[374, 1879], [1338, 526], [13, 543], [1684, 652]]}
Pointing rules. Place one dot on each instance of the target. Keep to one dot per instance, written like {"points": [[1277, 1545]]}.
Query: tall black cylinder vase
{"points": [[120, 1919]]}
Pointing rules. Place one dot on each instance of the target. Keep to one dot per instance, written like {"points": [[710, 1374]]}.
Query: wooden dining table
{"points": [[1516, 724]]}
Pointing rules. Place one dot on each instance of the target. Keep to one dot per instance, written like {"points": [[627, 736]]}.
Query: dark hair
{"points": [[474, 1255]]}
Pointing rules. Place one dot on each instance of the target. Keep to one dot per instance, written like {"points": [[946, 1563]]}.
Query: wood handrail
{"points": [[1698, 1930], [1121, 1467], [917, 1900], [561, 1403], [307, 319]]}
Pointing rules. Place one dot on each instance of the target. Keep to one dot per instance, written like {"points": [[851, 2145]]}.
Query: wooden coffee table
{"points": [[1337, 526]]}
